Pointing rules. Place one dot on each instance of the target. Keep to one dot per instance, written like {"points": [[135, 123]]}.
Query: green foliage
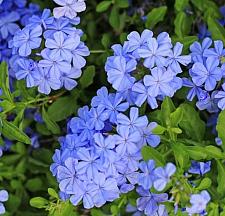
{"points": [[220, 127], [155, 16]]}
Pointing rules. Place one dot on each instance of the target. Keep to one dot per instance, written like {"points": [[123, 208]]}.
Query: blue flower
{"points": [[67, 78], [118, 73], [198, 203], [162, 176], [197, 49], [45, 19], [207, 74], [78, 52], [97, 117], [175, 58], [143, 95], [159, 82], [148, 137], [217, 52], [209, 103], [61, 46], [46, 82], [26, 70], [104, 189], [113, 103], [27, 39], [134, 122], [148, 202], [146, 177], [126, 141], [133, 210], [84, 194], [88, 163], [137, 41], [200, 167], [4, 196], [221, 98], [68, 176], [54, 63], [104, 146], [7, 24], [154, 54], [194, 91], [69, 8], [59, 158]]}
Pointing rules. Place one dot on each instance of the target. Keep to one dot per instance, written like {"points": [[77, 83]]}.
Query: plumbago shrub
{"points": [[112, 107]]}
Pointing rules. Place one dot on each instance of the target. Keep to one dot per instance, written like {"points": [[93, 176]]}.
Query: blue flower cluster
{"points": [[48, 52], [207, 73], [100, 157], [145, 68], [13, 15]]}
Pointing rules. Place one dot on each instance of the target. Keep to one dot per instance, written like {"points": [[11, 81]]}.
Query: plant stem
{"points": [[97, 51]]}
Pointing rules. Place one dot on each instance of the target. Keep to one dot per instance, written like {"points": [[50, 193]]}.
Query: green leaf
{"points": [[155, 16], [204, 184], [181, 156], [62, 108], [158, 130], [65, 209], [122, 3], [214, 152], [149, 153], [12, 132], [167, 108], [51, 124], [182, 24], [7, 105], [114, 18], [196, 152], [34, 184], [39, 202], [103, 6], [106, 40], [220, 127], [180, 5], [4, 82], [53, 193], [217, 31], [220, 178], [176, 117], [191, 123], [87, 77]]}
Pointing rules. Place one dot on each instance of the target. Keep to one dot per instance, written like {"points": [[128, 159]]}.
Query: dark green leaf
{"points": [[114, 18], [51, 124], [122, 3], [34, 184], [191, 123], [12, 132], [180, 5], [62, 108], [87, 77], [155, 16], [217, 31]]}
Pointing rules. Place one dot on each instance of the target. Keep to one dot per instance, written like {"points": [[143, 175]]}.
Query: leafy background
{"points": [[24, 170]]}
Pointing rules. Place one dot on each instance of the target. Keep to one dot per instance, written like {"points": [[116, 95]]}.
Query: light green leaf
{"points": [[220, 178], [220, 127], [150, 153], [204, 184], [39, 202], [122, 3], [103, 6], [180, 5]]}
